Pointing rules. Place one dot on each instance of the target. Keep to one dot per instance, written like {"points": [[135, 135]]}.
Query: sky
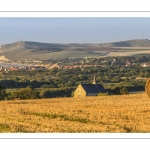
{"points": [[73, 29]]}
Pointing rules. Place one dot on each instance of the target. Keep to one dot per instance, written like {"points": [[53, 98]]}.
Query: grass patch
{"points": [[64, 117], [4, 127], [67, 118], [20, 128]]}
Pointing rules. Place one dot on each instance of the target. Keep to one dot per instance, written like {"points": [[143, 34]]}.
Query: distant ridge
{"points": [[129, 43], [39, 45], [37, 50], [30, 45]]}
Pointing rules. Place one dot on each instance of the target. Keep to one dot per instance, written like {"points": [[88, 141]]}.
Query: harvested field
{"points": [[104, 114]]}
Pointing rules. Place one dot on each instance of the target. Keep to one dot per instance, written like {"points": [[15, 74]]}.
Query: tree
{"points": [[3, 93], [25, 93]]}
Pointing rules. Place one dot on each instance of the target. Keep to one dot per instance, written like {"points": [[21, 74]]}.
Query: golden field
{"points": [[103, 114]]}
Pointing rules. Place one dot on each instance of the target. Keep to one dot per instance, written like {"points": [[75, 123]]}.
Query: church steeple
{"points": [[94, 80]]}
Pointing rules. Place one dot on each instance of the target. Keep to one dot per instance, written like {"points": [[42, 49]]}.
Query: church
{"points": [[93, 89]]}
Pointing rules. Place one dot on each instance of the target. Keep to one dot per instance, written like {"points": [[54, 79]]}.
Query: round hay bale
{"points": [[147, 87]]}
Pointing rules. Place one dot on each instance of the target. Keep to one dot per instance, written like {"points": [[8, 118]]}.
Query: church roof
{"points": [[93, 88]]}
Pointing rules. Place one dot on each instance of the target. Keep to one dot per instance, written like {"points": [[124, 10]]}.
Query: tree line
{"points": [[29, 93], [61, 82]]}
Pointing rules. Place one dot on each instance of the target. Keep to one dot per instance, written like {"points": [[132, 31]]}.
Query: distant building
{"points": [[145, 65], [128, 63], [93, 89], [2, 69], [56, 65], [14, 68], [37, 68]]}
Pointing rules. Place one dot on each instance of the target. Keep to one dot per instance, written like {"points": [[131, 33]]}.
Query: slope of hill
{"points": [[33, 50], [28, 50], [3, 58], [31, 45], [129, 43]]}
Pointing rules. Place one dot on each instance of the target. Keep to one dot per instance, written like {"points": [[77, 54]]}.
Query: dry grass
{"points": [[128, 53], [127, 113]]}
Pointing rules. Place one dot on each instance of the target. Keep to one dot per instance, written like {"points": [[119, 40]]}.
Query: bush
{"points": [[3, 93], [72, 94], [45, 93], [50, 93], [124, 91], [25, 93], [45, 86], [102, 94], [116, 90], [147, 87]]}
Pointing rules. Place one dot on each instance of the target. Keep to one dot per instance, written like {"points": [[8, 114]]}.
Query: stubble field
{"points": [[104, 114]]}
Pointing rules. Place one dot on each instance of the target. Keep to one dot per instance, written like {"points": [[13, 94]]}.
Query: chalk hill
{"points": [[29, 49]]}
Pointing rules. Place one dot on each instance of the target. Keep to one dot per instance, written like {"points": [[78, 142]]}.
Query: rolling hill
{"points": [[129, 43], [36, 50]]}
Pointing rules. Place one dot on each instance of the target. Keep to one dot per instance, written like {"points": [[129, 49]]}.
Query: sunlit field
{"points": [[131, 52], [103, 114]]}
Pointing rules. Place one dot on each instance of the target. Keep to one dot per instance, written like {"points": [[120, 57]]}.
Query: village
{"points": [[69, 63]]}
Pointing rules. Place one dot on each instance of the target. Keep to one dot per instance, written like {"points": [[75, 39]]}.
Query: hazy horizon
{"points": [[73, 30]]}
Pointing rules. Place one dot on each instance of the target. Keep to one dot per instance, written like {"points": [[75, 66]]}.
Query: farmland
{"points": [[129, 52], [103, 114]]}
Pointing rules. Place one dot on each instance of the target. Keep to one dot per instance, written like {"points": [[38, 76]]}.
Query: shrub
{"points": [[116, 90], [45, 93], [102, 94], [45, 86], [3, 93], [72, 94], [49, 93], [147, 87], [25, 93], [124, 91]]}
